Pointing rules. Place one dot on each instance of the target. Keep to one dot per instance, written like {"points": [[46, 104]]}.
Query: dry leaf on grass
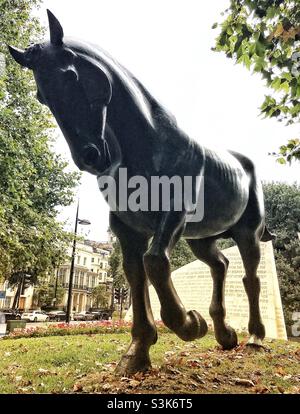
{"points": [[77, 387], [244, 382], [134, 383]]}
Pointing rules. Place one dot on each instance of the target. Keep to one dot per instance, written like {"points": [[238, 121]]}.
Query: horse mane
{"points": [[145, 101]]}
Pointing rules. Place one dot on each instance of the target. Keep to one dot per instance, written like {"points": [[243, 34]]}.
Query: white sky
{"points": [[167, 45]]}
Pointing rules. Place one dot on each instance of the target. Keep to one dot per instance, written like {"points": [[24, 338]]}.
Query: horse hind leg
{"points": [[206, 251], [248, 244], [247, 234]]}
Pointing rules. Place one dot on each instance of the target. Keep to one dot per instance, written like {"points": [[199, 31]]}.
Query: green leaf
{"points": [[267, 39], [285, 86], [276, 84], [245, 60]]}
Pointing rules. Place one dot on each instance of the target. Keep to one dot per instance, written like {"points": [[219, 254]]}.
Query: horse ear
{"points": [[18, 55], [56, 31]]}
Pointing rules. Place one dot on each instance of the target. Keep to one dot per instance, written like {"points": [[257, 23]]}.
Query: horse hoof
{"points": [[255, 344], [194, 328], [130, 365], [229, 340]]}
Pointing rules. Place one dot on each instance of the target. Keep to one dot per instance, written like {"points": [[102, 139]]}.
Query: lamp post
{"points": [[55, 286], [69, 303]]}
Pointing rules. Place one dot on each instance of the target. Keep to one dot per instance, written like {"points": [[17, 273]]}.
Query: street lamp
{"points": [[69, 303]]}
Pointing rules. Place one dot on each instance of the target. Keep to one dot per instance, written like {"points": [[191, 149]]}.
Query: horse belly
{"points": [[225, 200]]}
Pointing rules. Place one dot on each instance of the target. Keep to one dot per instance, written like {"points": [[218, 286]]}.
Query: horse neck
{"points": [[130, 113], [131, 126]]}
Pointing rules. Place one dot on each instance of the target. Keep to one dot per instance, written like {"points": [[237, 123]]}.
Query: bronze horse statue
{"points": [[110, 122]]}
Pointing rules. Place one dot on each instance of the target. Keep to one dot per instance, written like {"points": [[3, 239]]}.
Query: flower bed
{"points": [[83, 328]]}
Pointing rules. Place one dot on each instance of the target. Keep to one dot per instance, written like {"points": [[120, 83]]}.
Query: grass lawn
{"points": [[85, 363]]}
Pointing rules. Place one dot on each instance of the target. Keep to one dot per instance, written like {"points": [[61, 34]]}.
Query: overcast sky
{"points": [[167, 45]]}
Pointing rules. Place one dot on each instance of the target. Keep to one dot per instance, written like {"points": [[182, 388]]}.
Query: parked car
{"points": [[57, 315], [35, 316], [101, 314], [11, 314], [83, 316]]}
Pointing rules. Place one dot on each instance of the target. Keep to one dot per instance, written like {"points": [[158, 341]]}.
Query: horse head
{"points": [[77, 90]]}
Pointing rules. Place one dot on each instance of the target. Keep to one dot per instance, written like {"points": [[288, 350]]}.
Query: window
{"points": [[93, 260], [7, 302], [81, 279], [84, 261], [78, 259], [76, 278], [66, 278], [101, 265], [92, 270]]}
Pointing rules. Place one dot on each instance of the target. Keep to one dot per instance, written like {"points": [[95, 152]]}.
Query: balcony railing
{"points": [[76, 286]]}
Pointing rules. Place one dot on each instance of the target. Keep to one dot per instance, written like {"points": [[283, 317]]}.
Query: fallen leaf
{"points": [[280, 371], [172, 370], [197, 378], [169, 353], [184, 353], [261, 389], [77, 387], [194, 363], [134, 383], [43, 371], [244, 382], [216, 379]]}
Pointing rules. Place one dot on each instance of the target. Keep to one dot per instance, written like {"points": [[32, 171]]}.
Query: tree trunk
{"points": [[17, 295]]}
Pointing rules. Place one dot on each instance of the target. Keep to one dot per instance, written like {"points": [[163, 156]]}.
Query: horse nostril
{"points": [[91, 155]]}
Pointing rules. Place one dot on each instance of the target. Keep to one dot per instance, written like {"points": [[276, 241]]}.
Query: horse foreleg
{"points": [[187, 325], [143, 331]]}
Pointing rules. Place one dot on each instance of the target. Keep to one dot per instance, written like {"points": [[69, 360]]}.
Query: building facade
{"points": [[7, 296], [90, 269]]}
